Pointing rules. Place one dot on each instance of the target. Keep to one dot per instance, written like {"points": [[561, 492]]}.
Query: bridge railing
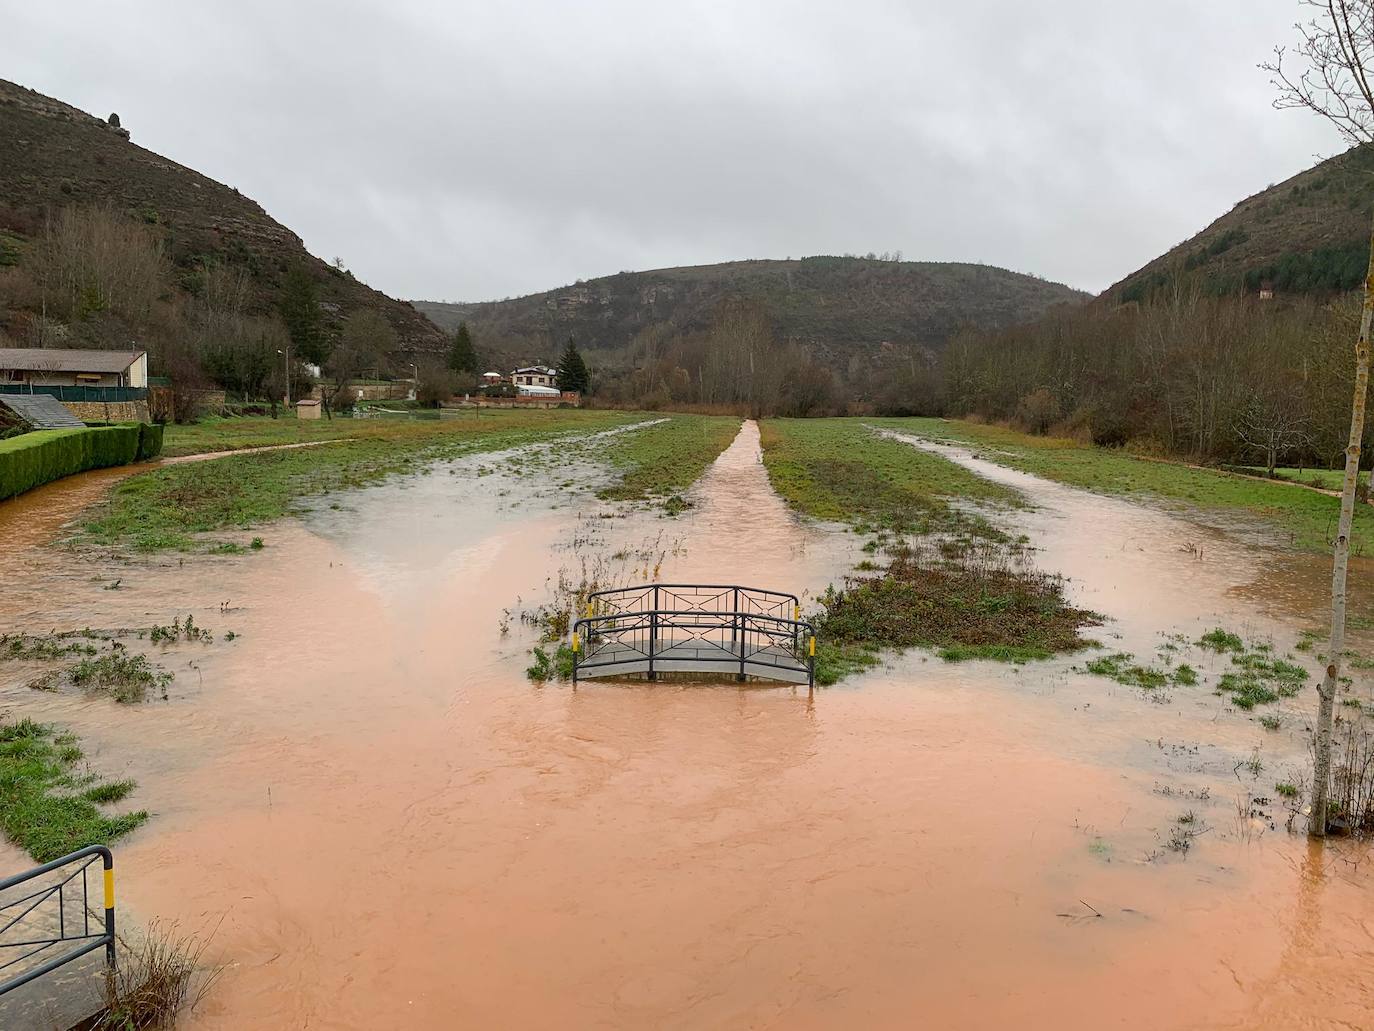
{"points": [[50, 923], [726, 629], [695, 597]]}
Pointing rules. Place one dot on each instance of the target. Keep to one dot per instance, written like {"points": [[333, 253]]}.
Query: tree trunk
{"points": [[1326, 704]]}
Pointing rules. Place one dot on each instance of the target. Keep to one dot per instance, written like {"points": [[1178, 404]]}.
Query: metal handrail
{"points": [[691, 587], [89, 942]]}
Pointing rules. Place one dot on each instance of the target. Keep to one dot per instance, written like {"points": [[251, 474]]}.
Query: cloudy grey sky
{"points": [[473, 150]]}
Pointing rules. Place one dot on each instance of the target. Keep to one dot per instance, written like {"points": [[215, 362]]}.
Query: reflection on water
{"points": [[401, 831]]}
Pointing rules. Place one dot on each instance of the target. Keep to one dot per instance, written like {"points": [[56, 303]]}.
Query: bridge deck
{"points": [[614, 660]]}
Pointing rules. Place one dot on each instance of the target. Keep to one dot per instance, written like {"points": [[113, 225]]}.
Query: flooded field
{"points": [[386, 824]]}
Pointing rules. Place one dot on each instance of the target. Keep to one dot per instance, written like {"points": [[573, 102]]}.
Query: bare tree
{"points": [[366, 337], [1336, 59], [1273, 423]]}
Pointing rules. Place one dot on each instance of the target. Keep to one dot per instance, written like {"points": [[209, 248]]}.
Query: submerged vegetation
{"points": [[49, 804], [954, 582], [1256, 676], [974, 602], [165, 509]]}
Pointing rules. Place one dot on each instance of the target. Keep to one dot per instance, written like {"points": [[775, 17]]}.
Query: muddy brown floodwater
{"points": [[391, 827]]}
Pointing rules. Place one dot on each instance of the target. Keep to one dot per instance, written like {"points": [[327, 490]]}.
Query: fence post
{"points": [[108, 857], [740, 616], [653, 634]]}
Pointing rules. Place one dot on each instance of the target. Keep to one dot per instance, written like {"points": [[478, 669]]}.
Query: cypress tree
{"points": [[300, 310], [572, 370], [462, 355]]}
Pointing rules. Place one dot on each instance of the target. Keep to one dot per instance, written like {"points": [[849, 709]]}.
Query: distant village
{"points": [[115, 385]]}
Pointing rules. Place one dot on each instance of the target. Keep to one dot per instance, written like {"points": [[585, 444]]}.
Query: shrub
{"points": [[32, 459]]}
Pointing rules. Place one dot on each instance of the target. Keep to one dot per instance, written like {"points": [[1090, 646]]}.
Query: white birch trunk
{"points": [[1326, 703]]}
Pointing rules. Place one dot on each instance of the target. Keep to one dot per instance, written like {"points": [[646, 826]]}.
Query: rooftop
{"points": [[63, 359]]}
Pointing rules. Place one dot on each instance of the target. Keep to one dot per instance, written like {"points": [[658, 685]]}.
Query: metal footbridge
{"points": [[720, 629]]}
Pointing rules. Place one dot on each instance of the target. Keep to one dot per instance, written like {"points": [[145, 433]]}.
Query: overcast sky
{"points": [[468, 151]]}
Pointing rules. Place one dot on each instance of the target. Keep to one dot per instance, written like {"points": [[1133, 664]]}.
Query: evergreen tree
{"points": [[300, 310], [572, 370], [462, 356]]}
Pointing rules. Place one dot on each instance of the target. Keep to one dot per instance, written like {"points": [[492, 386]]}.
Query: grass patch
{"points": [[659, 461], [840, 470], [47, 806], [835, 661], [1302, 518], [165, 509]]}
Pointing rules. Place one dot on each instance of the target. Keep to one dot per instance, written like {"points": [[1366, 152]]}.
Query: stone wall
{"points": [[114, 411]]}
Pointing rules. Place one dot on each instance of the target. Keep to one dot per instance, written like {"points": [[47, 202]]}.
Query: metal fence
{"points": [[97, 394], [49, 923]]}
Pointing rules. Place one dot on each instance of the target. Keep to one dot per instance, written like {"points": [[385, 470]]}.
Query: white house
{"points": [[73, 367], [535, 376]]}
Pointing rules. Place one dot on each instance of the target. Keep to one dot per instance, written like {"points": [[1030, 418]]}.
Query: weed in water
{"points": [[152, 982], [40, 648], [1185, 675], [1121, 667], [1286, 790], [1219, 640], [124, 677], [1271, 722], [545, 667]]}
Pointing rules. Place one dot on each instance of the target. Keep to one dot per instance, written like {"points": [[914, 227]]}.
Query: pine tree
{"points": [[300, 310], [572, 370], [462, 356]]}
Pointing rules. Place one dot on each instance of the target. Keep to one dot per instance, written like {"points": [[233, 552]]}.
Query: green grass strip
{"points": [[661, 461], [47, 806], [1302, 519], [840, 470]]}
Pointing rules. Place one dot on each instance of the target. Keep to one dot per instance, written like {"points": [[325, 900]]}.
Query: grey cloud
{"points": [[476, 150]]}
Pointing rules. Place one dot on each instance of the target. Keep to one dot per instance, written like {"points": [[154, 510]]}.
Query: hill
{"points": [[838, 306], [55, 156], [1306, 235]]}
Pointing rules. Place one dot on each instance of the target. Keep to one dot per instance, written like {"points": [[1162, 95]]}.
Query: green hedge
{"points": [[36, 458], [149, 440]]}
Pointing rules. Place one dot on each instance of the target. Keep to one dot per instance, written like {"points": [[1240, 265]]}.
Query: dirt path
{"points": [[401, 831]]}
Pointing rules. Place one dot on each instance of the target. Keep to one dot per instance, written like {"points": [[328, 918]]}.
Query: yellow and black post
{"points": [[108, 858]]}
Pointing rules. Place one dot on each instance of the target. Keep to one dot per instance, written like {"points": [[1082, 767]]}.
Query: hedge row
{"points": [[32, 459]]}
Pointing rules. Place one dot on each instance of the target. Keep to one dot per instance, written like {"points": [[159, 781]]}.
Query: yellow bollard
{"points": [[575, 641], [811, 648]]}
